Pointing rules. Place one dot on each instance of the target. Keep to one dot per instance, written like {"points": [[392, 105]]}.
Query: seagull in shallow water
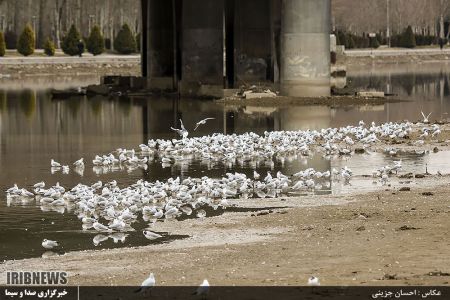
{"points": [[202, 122], [151, 235], [98, 239], [39, 185], [425, 118], [49, 244], [55, 164], [65, 169], [313, 281], [79, 163]]}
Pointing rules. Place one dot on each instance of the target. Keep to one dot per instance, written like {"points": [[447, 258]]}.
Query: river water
{"points": [[34, 129]]}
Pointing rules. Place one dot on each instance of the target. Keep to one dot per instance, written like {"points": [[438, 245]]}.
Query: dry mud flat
{"points": [[382, 238]]}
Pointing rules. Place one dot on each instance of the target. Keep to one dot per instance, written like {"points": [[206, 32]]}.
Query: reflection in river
{"points": [[34, 129]]}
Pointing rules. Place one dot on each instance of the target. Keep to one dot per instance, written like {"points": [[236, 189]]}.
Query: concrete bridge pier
{"points": [[159, 44], [305, 48], [202, 47], [252, 40]]}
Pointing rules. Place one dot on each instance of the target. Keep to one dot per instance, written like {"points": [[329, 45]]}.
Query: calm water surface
{"points": [[34, 129]]}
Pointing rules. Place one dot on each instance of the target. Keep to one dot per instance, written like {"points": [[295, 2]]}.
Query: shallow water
{"points": [[34, 129]]}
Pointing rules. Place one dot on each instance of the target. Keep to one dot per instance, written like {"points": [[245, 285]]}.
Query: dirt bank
{"points": [[383, 238]]}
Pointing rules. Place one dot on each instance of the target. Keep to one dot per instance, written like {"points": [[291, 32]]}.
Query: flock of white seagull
{"points": [[112, 211]]}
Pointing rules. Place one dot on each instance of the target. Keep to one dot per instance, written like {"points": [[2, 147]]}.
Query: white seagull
{"points": [[182, 132], [55, 164], [79, 163], [151, 235], [425, 118], [147, 283], [48, 244], [39, 185], [313, 281], [202, 122], [203, 289]]}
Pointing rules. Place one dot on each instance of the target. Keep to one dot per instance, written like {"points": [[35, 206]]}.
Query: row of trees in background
{"points": [[73, 43], [426, 17], [406, 39], [53, 18]]}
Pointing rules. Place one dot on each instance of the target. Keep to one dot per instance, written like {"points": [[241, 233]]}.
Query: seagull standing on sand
{"points": [[313, 281], [147, 283], [202, 122]]}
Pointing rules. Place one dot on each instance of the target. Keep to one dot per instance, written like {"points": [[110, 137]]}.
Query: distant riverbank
{"points": [[111, 64], [14, 65], [393, 56]]}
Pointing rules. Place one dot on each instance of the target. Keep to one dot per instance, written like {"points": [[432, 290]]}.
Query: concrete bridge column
{"points": [[202, 47], [159, 56], [253, 40], [305, 48]]}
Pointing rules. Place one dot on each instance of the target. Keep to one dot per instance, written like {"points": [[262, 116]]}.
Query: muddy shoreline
{"points": [[333, 101], [385, 237]]}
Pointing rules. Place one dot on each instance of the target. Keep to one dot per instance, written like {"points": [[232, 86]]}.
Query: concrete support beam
{"points": [[202, 47], [305, 48], [253, 40]]}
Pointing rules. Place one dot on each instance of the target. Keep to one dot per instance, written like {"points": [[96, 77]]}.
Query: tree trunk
{"points": [[42, 20], [16, 16], [57, 25]]}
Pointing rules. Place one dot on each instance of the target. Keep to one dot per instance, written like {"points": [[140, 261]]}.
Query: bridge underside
{"points": [[200, 47]]}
